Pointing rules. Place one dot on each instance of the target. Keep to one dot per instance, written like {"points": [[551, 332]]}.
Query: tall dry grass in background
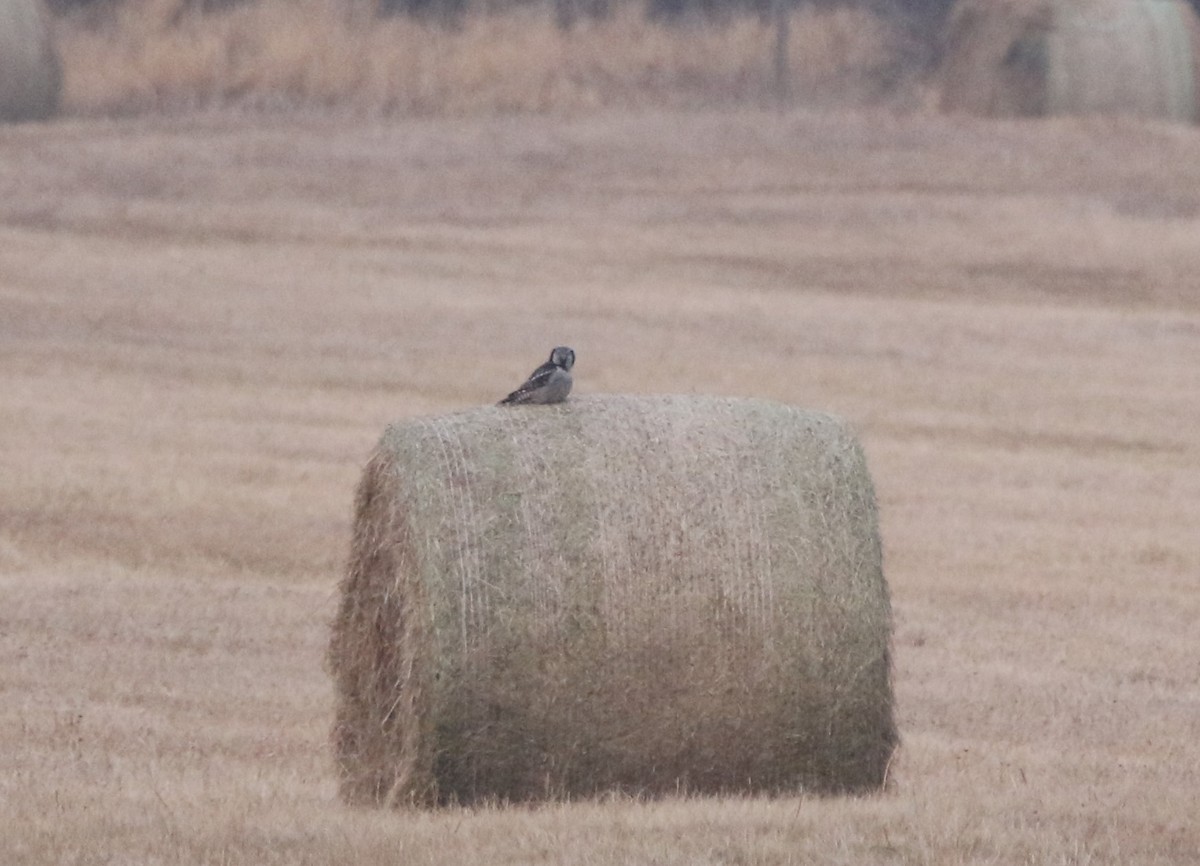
{"points": [[158, 55]]}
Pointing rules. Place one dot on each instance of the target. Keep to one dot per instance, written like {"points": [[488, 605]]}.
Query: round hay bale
{"points": [[643, 594], [1130, 57], [993, 58], [30, 75], [1050, 57]]}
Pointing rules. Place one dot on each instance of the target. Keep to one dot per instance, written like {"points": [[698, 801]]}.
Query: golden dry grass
{"points": [[156, 54], [208, 321]]}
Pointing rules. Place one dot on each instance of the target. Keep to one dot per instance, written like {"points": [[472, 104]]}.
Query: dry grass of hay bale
{"points": [[619, 593], [152, 55], [1135, 57], [1006, 58], [30, 77], [980, 73]]}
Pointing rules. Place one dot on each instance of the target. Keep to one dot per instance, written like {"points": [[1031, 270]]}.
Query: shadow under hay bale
{"points": [[643, 594], [30, 74], [1006, 58]]}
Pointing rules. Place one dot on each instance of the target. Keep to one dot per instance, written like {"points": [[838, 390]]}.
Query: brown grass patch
{"points": [[207, 320]]}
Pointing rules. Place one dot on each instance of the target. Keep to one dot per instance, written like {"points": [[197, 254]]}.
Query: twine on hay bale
{"points": [[644, 594], [30, 75], [1052, 57]]}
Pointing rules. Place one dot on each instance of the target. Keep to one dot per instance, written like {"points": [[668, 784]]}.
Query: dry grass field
{"points": [[207, 320], [168, 55]]}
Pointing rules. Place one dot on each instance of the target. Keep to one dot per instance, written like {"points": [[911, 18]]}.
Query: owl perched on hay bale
{"points": [[549, 383]]}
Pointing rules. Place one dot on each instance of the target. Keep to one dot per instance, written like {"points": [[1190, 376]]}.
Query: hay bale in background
{"points": [[619, 593], [1049, 57], [993, 60], [30, 76], [1134, 57]]}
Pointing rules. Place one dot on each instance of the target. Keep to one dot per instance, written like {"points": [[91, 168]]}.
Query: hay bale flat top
{"points": [[630, 592]]}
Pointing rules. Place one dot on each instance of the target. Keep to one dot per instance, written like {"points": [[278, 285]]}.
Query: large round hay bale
{"points": [[30, 76], [993, 58], [646, 594], [1132, 57], [1050, 57]]}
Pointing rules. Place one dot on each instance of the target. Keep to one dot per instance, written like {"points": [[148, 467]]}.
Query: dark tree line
{"points": [[923, 18], [927, 12], [912, 13]]}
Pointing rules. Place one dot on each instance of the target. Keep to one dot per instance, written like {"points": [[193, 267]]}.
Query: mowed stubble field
{"points": [[206, 322]]}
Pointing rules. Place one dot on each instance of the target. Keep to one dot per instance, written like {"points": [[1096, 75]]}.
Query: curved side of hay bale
{"points": [[619, 593], [30, 74], [379, 654], [1130, 57]]}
